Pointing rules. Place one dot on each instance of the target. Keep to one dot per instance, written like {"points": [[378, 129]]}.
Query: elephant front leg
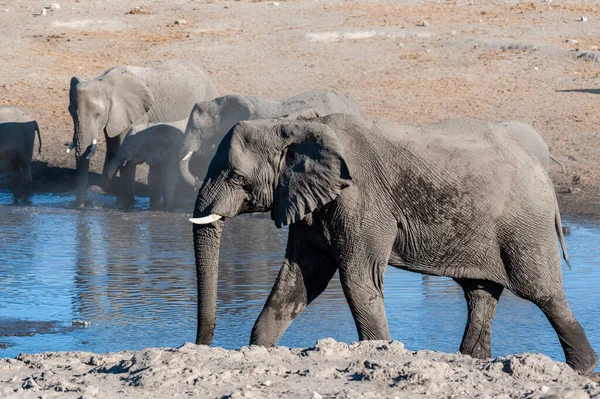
{"points": [[482, 298], [126, 182], [154, 186], [306, 271], [362, 269]]}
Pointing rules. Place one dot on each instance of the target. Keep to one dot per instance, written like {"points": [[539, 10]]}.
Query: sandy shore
{"points": [[372, 369]]}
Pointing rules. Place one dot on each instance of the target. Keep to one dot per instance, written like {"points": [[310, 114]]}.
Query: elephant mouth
{"points": [[206, 219]]}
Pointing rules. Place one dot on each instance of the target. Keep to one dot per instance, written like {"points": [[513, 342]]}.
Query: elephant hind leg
{"points": [[536, 276], [482, 298]]}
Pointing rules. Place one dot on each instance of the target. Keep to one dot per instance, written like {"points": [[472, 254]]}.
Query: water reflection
{"points": [[132, 275]]}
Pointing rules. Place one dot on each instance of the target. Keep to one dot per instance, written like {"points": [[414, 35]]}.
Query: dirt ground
{"points": [[369, 369], [416, 62], [534, 61]]}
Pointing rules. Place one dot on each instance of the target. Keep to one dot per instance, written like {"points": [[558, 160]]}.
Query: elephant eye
{"points": [[237, 178]]}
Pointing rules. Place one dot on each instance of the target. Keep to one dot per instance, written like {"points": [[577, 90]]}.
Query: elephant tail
{"points": [[552, 157], [37, 129], [561, 236]]}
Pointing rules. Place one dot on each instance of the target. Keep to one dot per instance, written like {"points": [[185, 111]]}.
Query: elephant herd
{"points": [[465, 199]]}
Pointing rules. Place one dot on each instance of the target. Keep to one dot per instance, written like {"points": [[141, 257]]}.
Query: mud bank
{"points": [[331, 369]]}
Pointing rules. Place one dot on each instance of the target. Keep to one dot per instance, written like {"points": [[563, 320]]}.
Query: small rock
{"points": [[30, 384], [275, 3], [55, 6], [566, 230], [267, 383], [573, 41], [180, 22], [44, 11], [424, 24], [315, 395], [81, 323], [583, 19]]}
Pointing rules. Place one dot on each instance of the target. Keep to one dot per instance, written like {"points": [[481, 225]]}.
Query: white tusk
{"points": [[92, 149], [206, 220], [187, 156], [71, 146], [125, 163]]}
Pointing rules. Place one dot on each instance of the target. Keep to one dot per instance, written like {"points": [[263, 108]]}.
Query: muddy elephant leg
{"points": [[540, 268], [126, 182], [364, 294], [154, 183], [168, 185], [482, 298], [362, 269], [306, 271], [111, 185], [17, 179], [27, 180]]}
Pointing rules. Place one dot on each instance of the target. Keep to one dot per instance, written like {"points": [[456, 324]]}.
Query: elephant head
{"points": [[209, 121], [110, 103], [288, 168], [149, 145]]}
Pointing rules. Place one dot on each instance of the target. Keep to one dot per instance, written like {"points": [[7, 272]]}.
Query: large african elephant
{"points": [[359, 195], [128, 95], [210, 120], [158, 145], [532, 140], [17, 137]]}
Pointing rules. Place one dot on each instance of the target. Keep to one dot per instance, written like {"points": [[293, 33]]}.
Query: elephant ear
{"points": [[312, 171], [130, 100]]}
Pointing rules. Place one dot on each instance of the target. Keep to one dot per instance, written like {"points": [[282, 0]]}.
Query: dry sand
{"points": [[533, 61], [370, 369]]}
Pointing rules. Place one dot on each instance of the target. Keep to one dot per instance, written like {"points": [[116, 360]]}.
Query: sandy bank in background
{"points": [[370, 369]]}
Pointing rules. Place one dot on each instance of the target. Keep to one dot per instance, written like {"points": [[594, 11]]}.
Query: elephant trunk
{"points": [[207, 239], [81, 180], [112, 167]]}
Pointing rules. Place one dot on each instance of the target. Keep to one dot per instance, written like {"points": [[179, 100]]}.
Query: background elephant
{"points": [[532, 140], [211, 120], [17, 136], [128, 95], [159, 146], [359, 195]]}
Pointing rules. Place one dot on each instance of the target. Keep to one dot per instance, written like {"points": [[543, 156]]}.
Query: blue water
{"points": [[131, 274]]}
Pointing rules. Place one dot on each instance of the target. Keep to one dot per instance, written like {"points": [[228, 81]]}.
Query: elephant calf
{"points": [[359, 195], [158, 145], [17, 136]]}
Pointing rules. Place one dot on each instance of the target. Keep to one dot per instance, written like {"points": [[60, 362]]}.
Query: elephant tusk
{"points": [[93, 149], [71, 146], [125, 163], [187, 156], [207, 219]]}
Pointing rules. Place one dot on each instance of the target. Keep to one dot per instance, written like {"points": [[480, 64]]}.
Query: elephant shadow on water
{"points": [[359, 195]]}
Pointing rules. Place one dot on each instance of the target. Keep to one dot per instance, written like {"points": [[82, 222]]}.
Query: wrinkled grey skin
{"points": [[211, 120], [128, 95], [158, 145], [359, 195], [532, 140], [17, 137]]}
